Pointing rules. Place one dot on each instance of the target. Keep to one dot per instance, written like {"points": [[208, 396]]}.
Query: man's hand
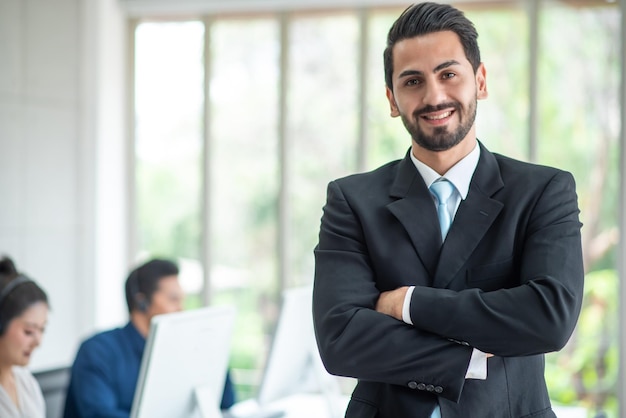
{"points": [[390, 302]]}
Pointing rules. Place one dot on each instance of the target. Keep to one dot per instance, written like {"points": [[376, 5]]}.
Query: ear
{"points": [[392, 103], [481, 82], [141, 302]]}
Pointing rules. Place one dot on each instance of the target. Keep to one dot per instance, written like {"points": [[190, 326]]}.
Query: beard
{"points": [[441, 138]]}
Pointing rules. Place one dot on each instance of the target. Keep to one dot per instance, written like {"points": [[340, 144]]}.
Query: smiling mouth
{"points": [[439, 116]]}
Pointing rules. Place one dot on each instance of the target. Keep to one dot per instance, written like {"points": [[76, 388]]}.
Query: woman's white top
{"points": [[30, 398]]}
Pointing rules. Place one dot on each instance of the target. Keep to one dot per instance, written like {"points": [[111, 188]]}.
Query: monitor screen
{"points": [[294, 365], [186, 353]]}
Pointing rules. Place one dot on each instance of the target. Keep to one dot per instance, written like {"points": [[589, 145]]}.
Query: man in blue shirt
{"points": [[106, 368]]}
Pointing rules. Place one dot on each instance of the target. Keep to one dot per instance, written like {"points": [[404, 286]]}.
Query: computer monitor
{"points": [[294, 365], [184, 365]]}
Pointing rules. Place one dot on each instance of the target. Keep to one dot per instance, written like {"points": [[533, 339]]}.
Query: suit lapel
{"points": [[472, 220], [416, 212]]}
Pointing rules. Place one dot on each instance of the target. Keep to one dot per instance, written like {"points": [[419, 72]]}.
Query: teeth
{"points": [[442, 116]]}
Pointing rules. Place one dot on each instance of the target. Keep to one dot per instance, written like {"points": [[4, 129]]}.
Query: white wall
{"points": [[54, 195]]}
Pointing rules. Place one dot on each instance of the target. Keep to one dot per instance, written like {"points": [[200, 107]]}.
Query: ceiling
{"points": [[143, 8]]}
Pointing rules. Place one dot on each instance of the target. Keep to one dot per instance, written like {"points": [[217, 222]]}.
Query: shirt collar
{"points": [[460, 174]]}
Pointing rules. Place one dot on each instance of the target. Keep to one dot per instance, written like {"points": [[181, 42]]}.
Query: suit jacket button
{"points": [[413, 385], [430, 388], [421, 386], [438, 389]]}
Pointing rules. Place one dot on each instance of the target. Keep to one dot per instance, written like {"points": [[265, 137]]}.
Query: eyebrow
{"points": [[440, 67], [34, 325]]}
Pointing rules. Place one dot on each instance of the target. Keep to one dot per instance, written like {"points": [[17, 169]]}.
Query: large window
{"points": [[578, 131], [241, 121], [169, 104], [244, 186], [322, 126]]}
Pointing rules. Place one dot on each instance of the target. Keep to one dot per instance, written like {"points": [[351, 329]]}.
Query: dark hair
{"points": [[424, 18], [17, 293], [143, 281]]}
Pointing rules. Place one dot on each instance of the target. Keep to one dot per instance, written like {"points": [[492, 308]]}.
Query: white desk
{"points": [[295, 406]]}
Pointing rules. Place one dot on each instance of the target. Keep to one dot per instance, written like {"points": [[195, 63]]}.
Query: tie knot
{"points": [[442, 189]]}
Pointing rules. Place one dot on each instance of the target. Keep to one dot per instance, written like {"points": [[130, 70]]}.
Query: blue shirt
{"points": [[105, 373]]}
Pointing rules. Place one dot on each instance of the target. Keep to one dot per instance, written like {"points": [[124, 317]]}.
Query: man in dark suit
{"points": [[438, 322]]}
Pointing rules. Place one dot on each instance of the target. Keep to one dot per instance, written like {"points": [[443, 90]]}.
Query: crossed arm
{"points": [[535, 317], [391, 302]]}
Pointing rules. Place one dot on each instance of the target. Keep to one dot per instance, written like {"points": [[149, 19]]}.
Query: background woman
{"points": [[23, 317]]}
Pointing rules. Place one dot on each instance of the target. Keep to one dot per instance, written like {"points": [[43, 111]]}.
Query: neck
{"points": [[141, 321], [6, 375]]}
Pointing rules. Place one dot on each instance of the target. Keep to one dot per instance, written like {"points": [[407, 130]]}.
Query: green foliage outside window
{"points": [[585, 371]]}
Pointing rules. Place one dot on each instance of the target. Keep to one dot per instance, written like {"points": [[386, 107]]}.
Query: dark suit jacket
{"points": [[508, 280]]}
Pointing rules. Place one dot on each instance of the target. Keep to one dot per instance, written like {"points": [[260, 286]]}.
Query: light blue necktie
{"points": [[443, 189], [436, 413]]}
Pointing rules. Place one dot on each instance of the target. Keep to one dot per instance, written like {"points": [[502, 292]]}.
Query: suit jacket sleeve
{"points": [[356, 341], [538, 315]]}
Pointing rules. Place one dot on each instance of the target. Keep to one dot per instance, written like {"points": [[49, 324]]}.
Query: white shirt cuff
{"points": [[406, 306], [477, 368]]}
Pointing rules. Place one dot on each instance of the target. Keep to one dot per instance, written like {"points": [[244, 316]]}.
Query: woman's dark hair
{"points": [[424, 18], [144, 280], [17, 293]]}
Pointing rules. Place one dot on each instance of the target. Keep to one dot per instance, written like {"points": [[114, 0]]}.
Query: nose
{"points": [[434, 94], [37, 339]]}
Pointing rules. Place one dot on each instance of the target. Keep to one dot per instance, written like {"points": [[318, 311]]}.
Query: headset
{"points": [[20, 279], [139, 299]]}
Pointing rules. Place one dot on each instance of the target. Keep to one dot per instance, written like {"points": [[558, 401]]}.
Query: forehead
{"points": [[168, 284], [425, 52], [35, 314]]}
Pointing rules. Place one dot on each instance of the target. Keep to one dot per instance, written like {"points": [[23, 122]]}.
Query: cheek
{"points": [[13, 332], [162, 307], [175, 306], [21, 339], [15, 341]]}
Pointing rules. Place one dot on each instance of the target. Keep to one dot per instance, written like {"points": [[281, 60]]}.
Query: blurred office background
{"points": [[207, 130]]}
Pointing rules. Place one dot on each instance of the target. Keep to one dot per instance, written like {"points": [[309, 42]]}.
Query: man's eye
{"points": [[412, 82], [448, 75]]}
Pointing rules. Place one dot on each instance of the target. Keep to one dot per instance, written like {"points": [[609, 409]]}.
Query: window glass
{"points": [[322, 121], [578, 131], [169, 101], [244, 186]]}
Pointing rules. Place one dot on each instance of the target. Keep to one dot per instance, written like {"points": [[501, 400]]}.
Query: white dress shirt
{"points": [[29, 396]]}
